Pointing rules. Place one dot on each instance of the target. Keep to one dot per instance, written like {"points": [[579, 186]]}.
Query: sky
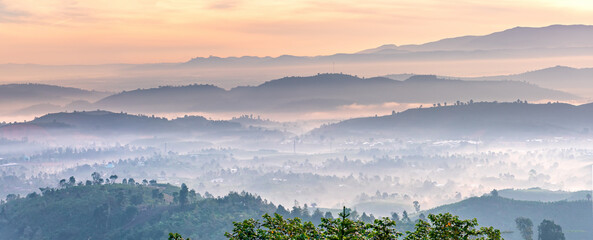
{"points": [[58, 32]]}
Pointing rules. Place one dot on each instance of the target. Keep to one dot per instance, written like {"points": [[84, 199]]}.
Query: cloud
{"points": [[9, 15], [224, 4]]}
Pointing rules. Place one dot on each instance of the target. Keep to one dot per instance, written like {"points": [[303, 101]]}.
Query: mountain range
{"points": [[508, 51], [321, 92], [481, 120]]}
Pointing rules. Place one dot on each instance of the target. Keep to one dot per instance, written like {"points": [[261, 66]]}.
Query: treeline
{"points": [[144, 210], [438, 227]]}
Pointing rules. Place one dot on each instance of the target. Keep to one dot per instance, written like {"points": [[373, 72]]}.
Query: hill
{"points": [[543, 195], [110, 122], [574, 80], [42, 92], [124, 211], [104, 124], [472, 120], [575, 217], [322, 92], [26, 99]]}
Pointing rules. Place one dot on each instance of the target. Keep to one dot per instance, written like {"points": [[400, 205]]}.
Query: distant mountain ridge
{"points": [[574, 80], [43, 92], [574, 39], [472, 120], [510, 51], [102, 123], [321, 92], [554, 36]]}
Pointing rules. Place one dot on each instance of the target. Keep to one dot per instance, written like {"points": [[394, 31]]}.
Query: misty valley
{"points": [[280, 148]]}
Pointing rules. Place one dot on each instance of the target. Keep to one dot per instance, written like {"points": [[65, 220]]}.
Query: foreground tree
{"points": [[176, 236], [441, 227], [449, 227]]}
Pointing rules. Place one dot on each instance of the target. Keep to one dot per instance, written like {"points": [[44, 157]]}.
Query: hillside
{"points": [[322, 92], [108, 124], [575, 217], [124, 211], [574, 80], [472, 120], [31, 99], [148, 210], [43, 92], [543, 195]]}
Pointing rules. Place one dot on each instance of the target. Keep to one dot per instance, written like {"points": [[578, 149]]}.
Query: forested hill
{"points": [[472, 120], [125, 211], [575, 217], [34, 93], [136, 210], [322, 92], [102, 122]]}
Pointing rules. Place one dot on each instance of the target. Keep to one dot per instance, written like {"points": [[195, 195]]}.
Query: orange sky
{"points": [[144, 31]]}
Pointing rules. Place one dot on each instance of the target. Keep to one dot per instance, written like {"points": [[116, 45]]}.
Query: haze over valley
{"points": [[494, 125]]}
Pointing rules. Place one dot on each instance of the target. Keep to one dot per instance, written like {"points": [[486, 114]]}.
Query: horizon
{"points": [[138, 32]]}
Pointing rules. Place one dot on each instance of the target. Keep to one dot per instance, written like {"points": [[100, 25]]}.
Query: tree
{"points": [[440, 227], [183, 195], [365, 218], [525, 226], [63, 183], [417, 206], [113, 178], [494, 193], [548, 230], [342, 228], [176, 236], [282, 211], [96, 178], [317, 216], [394, 216], [405, 217], [193, 196], [72, 181], [383, 229], [448, 227]]}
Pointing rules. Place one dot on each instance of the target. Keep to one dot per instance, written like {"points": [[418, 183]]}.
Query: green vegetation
{"points": [[102, 208], [440, 227], [124, 211], [574, 216]]}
